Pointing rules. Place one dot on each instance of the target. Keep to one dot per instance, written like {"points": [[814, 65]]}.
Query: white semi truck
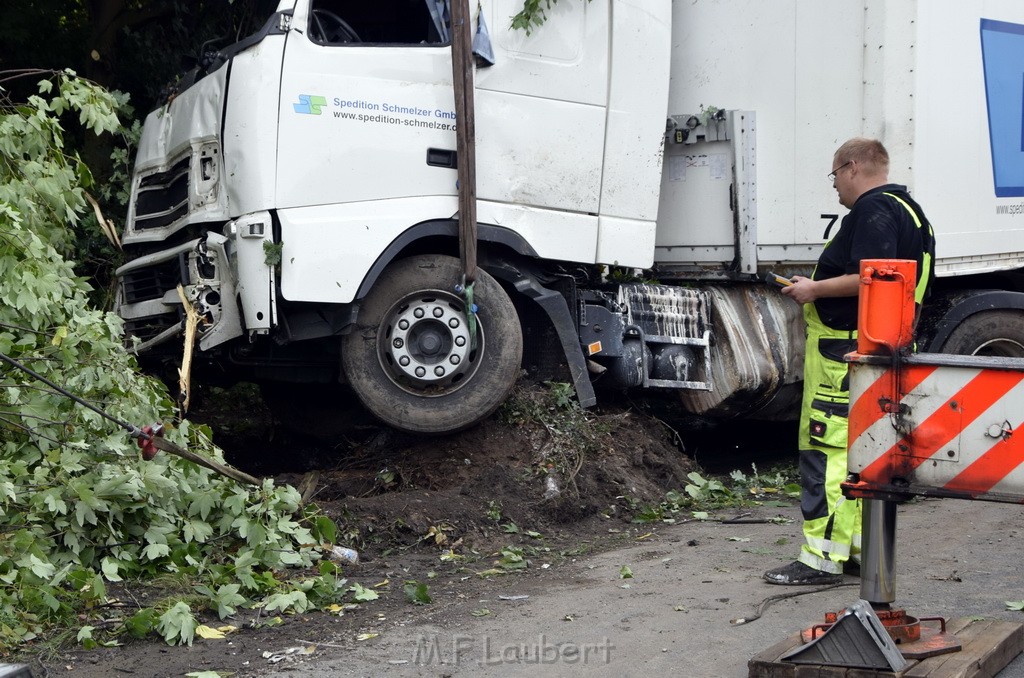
{"points": [[301, 187]]}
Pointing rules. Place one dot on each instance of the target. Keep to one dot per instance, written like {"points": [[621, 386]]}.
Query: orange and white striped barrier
{"points": [[929, 424], [950, 430]]}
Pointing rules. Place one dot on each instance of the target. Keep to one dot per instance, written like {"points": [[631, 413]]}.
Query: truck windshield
{"points": [[381, 22]]}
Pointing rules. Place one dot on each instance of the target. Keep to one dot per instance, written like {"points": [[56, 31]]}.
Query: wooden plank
{"points": [[946, 664], [955, 626], [766, 664], [1007, 651], [988, 646]]}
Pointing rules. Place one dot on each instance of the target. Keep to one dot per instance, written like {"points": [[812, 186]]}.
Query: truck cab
{"points": [[301, 188]]}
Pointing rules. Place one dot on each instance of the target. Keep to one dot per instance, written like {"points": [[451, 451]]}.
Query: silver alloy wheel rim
{"points": [[424, 344], [1003, 348]]}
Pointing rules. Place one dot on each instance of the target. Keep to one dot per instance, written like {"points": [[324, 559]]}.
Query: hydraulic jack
{"points": [[915, 638]]}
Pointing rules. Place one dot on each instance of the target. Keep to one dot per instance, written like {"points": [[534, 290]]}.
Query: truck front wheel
{"points": [[414, 361], [989, 333]]}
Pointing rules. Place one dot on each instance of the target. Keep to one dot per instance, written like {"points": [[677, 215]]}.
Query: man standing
{"points": [[884, 223]]}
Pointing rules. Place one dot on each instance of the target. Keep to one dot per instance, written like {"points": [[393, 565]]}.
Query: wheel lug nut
{"points": [[460, 341], [418, 313], [398, 343], [420, 372], [453, 323], [404, 361], [454, 360], [439, 371], [438, 312], [403, 324]]}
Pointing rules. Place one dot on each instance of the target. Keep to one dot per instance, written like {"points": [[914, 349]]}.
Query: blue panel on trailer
{"points": [[1002, 48]]}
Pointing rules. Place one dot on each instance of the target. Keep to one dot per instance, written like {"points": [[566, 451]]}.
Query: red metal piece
{"points": [[886, 309], [145, 441], [915, 640]]}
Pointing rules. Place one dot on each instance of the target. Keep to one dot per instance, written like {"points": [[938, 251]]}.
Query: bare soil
{"points": [[554, 484]]}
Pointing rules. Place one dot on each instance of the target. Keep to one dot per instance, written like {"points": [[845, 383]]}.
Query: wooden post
{"points": [[462, 78]]}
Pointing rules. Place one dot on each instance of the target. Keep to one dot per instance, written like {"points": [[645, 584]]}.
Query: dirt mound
{"points": [[541, 464]]}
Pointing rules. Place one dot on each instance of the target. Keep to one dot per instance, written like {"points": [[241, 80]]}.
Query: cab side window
{"points": [[374, 22]]}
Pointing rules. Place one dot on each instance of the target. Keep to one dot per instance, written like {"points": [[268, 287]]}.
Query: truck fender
{"points": [[557, 310], [987, 300], [440, 228]]}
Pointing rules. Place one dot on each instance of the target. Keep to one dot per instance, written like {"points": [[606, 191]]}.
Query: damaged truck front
{"points": [[299, 192], [199, 218]]}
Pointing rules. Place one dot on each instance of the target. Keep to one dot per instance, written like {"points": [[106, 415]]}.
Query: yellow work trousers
{"points": [[832, 523]]}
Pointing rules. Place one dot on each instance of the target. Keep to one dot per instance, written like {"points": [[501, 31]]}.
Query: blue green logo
{"points": [[309, 104]]}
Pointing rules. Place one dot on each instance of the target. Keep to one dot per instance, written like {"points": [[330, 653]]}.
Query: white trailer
{"points": [[301, 187]]}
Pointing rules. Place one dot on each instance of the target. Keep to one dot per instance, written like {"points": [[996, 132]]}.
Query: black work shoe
{"points": [[852, 568], [798, 574]]}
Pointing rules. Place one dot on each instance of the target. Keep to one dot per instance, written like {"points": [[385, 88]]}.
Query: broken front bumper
{"points": [[228, 278]]}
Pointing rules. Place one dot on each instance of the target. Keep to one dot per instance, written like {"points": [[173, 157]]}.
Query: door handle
{"points": [[439, 157]]}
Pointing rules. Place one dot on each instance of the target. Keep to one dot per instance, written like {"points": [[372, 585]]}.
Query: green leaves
{"points": [[361, 594], [292, 600], [532, 15], [702, 493], [177, 625], [78, 505], [227, 599], [272, 253], [197, 530], [706, 489], [512, 558], [40, 567], [417, 593], [142, 623], [40, 180], [324, 530], [85, 638]]}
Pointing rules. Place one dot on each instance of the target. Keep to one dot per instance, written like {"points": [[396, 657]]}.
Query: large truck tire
{"points": [[411, 359], [989, 333]]}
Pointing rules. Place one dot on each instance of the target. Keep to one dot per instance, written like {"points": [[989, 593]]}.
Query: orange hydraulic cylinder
{"points": [[886, 309]]}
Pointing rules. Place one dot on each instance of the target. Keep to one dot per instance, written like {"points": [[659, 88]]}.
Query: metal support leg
{"points": [[878, 557]]}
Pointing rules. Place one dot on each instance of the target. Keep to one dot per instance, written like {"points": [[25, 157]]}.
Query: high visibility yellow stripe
{"points": [[819, 563], [828, 546], [926, 261]]}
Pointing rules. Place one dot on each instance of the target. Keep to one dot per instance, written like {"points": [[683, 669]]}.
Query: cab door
{"points": [[366, 90]]}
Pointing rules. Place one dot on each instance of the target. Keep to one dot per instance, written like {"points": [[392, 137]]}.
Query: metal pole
{"points": [[878, 556]]}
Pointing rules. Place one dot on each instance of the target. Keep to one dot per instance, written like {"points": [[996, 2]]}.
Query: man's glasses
{"points": [[832, 174]]}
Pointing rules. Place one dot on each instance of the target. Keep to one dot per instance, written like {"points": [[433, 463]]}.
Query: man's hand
{"points": [[804, 290]]}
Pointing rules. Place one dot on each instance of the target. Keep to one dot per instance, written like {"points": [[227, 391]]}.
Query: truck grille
{"points": [[162, 198], [153, 281], [150, 326]]}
